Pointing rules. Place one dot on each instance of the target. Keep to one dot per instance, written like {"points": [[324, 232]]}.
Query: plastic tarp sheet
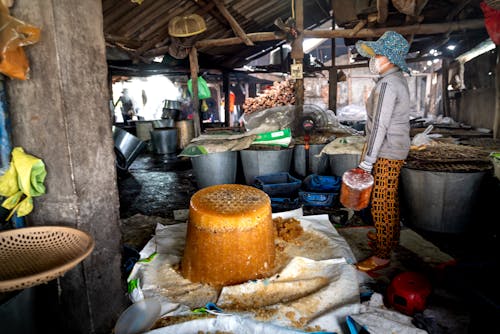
{"points": [[316, 289], [345, 145]]}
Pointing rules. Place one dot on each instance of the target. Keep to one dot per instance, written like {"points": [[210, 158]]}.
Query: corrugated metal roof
{"points": [[140, 31]]}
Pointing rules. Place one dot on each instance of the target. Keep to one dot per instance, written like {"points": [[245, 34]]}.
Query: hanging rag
{"points": [[24, 178]]}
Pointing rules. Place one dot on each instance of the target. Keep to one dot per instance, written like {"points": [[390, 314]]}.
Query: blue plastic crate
{"points": [[278, 185], [317, 199], [322, 183], [279, 204]]}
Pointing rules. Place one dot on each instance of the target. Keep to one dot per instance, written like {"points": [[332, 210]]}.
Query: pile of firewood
{"points": [[279, 94]]}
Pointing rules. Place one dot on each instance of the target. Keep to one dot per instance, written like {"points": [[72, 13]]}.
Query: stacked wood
{"points": [[279, 94]]}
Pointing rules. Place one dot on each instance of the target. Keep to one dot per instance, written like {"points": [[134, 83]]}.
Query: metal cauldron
{"points": [[440, 201]]}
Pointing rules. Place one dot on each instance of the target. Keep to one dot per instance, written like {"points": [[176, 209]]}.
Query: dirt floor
{"points": [[464, 298]]}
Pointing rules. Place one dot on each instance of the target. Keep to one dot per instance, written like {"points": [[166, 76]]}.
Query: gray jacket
{"points": [[388, 123]]}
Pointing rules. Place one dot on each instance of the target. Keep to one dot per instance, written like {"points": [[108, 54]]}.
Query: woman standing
{"points": [[388, 140]]}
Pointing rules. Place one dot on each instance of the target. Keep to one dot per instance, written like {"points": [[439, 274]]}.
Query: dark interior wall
{"points": [[61, 115], [476, 104]]}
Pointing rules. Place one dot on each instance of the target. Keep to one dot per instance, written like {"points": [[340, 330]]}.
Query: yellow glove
{"points": [[25, 176]]}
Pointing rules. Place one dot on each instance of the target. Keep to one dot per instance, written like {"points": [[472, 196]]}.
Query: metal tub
{"points": [[316, 165], [264, 162], [439, 201], [340, 163], [164, 140], [215, 168]]}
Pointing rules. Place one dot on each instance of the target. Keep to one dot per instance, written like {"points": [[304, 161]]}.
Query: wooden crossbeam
{"points": [[233, 23]]}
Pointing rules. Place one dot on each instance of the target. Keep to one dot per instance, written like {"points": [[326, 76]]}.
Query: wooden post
{"points": [[225, 88], [61, 115], [444, 88], [332, 75], [193, 64], [298, 52], [496, 125]]}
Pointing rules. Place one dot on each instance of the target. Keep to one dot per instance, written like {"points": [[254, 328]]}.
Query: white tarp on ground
{"points": [[320, 286]]}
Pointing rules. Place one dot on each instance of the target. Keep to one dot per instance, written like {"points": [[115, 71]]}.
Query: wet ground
{"points": [[156, 186]]}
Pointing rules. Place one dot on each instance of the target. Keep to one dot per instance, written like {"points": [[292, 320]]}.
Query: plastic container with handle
{"points": [[356, 189]]}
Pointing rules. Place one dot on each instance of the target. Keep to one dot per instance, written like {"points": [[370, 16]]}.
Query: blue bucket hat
{"points": [[390, 44]]}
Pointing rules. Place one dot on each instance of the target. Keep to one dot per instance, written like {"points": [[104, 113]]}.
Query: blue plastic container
{"points": [[278, 185], [279, 204], [322, 183], [317, 199]]}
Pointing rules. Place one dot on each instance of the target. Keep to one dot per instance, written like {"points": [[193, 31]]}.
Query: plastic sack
{"points": [[422, 138], [203, 90], [14, 34]]}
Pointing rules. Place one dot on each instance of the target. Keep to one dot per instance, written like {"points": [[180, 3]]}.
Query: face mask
{"points": [[374, 65]]}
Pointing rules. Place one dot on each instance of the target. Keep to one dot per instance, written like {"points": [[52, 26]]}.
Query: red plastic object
{"points": [[408, 292]]}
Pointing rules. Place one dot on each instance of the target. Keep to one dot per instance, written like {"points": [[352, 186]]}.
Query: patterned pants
{"points": [[385, 205]]}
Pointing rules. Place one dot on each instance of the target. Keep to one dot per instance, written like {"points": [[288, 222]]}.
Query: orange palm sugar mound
{"points": [[230, 235]]}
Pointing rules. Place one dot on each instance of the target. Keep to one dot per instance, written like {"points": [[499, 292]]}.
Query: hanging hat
{"points": [[390, 44]]}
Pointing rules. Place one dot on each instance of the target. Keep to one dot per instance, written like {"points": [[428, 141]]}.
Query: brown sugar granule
{"points": [[288, 229]]}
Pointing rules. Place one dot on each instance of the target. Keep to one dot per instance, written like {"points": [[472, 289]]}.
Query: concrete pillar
{"points": [[61, 115]]}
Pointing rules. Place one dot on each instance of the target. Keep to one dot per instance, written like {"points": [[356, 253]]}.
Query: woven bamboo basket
{"points": [[185, 26], [35, 255]]}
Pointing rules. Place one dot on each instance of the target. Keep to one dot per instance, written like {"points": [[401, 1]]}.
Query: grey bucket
{"points": [[164, 140], [315, 165], [340, 163], [439, 201], [127, 147], [265, 162], [215, 168]]}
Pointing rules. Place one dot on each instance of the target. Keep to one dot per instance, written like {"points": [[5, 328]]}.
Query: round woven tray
{"points": [[35, 255]]}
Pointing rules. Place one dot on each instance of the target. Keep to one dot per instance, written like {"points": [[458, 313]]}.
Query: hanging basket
{"points": [[185, 26]]}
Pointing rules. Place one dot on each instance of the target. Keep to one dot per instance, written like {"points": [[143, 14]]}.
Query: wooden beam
{"points": [[418, 29], [297, 52], [255, 37], [332, 72], [358, 27], [209, 8], [444, 88], [233, 23], [382, 10], [193, 65], [225, 88]]}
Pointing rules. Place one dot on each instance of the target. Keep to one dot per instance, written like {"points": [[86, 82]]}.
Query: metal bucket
{"points": [[340, 163], [143, 129], [264, 162], [439, 201], [163, 123], [127, 147], [299, 160], [164, 140], [185, 132], [215, 168]]}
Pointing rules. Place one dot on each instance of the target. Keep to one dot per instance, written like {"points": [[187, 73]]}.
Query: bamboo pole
{"points": [[254, 37], [418, 29], [193, 65]]}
